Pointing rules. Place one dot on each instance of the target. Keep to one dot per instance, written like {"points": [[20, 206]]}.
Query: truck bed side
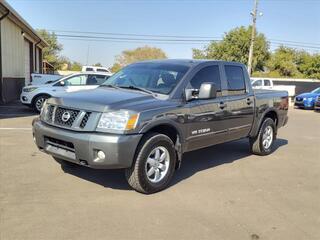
{"points": [[270, 103]]}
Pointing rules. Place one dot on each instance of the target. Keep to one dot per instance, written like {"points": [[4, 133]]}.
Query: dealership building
{"points": [[20, 53]]}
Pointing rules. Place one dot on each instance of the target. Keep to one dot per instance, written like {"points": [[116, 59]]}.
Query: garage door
{"points": [[27, 61]]}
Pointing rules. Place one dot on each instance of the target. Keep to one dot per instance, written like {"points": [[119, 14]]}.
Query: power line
{"points": [[166, 41], [133, 34], [188, 38], [134, 39]]}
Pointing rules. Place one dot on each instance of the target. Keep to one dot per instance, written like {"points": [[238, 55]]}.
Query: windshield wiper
{"points": [[137, 88]]}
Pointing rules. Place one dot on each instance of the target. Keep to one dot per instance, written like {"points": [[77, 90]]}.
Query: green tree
{"points": [[283, 61], [98, 65], [115, 68], [75, 66], [52, 52], [308, 65], [235, 47], [138, 54], [314, 69]]}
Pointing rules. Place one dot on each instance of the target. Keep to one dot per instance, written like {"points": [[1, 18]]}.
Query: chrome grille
{"points": [[66, 122], [67, 117], [85, 120]]}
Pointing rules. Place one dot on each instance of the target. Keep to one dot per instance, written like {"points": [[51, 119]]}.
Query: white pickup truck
{"points": [[39, 79], [268, 84]]}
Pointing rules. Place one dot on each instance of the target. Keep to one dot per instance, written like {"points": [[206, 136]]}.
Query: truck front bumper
{"points": [[85, 148]]}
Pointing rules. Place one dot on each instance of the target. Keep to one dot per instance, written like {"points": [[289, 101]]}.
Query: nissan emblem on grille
{"points": [[65, 116]]}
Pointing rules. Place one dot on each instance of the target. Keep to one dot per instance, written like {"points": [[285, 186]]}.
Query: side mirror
{"points": [[207, 90], [62, 83], [191, 94]]}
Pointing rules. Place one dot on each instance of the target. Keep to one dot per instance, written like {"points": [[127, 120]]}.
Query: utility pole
{"points": [[253, 35]]}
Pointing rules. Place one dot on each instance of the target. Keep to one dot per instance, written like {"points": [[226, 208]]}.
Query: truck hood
{"points": [[102, 99]]}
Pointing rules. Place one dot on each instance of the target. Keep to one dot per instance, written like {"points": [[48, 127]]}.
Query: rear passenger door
{"points": [[206, 124], [240, 101]]}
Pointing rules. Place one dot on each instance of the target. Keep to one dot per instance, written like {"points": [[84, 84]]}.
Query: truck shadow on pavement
{"points": [[192, 163]]}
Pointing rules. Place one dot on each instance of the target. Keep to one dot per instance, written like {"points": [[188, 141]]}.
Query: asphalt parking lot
{"points": [[221, 192]]}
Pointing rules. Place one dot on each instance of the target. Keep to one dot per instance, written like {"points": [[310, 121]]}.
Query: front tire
{"points": [[154, 164], [263, 143], [38, 102]]}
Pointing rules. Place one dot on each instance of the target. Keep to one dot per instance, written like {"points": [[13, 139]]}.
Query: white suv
{"points": [[35, 95]]}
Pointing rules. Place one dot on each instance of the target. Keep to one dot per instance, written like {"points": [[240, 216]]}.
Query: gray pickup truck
{"points": [[146, 116]]}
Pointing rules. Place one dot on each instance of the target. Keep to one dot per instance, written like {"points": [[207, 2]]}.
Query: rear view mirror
{"points": [[207, 90]]}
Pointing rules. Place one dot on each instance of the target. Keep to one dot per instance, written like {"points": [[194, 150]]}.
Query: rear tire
{"points": [[154, 164], [263, 143], [38, 102]]}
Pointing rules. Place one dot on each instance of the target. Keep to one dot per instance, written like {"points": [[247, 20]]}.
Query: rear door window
{"points": [[235, 80], [267, 83], [96, 79]]}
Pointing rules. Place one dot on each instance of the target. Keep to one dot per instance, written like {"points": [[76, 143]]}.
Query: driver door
{"points": [[206, 124]]}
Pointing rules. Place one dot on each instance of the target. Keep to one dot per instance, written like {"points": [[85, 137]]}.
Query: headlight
{"points": [[30, 89], [310, 99], [119, 121], [44, 109]]}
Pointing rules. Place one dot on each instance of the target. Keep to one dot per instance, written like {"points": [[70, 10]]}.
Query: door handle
{"points": [[249, 101], [222, 105]]}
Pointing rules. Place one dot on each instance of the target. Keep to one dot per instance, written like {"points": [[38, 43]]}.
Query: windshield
{"points": [[317, 90], [155, 77]]}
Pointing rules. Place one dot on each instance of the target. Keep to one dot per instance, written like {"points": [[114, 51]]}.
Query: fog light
{"points": [[101, 155]]}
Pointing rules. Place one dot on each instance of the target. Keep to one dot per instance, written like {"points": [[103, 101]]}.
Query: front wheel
{"points": [[38, 102], [263, 143], [154, 164]]}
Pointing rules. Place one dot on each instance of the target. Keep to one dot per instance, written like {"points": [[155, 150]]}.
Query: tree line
{"points": [[282, 62]]}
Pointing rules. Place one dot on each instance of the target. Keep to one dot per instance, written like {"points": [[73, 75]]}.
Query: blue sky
{"points": [[290, 20]]}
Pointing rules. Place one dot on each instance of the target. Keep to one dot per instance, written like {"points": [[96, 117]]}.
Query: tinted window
{"points": [[89, 69], [101, 70], [235, 79], [96, 79], [207, 74], [267, 83]]}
